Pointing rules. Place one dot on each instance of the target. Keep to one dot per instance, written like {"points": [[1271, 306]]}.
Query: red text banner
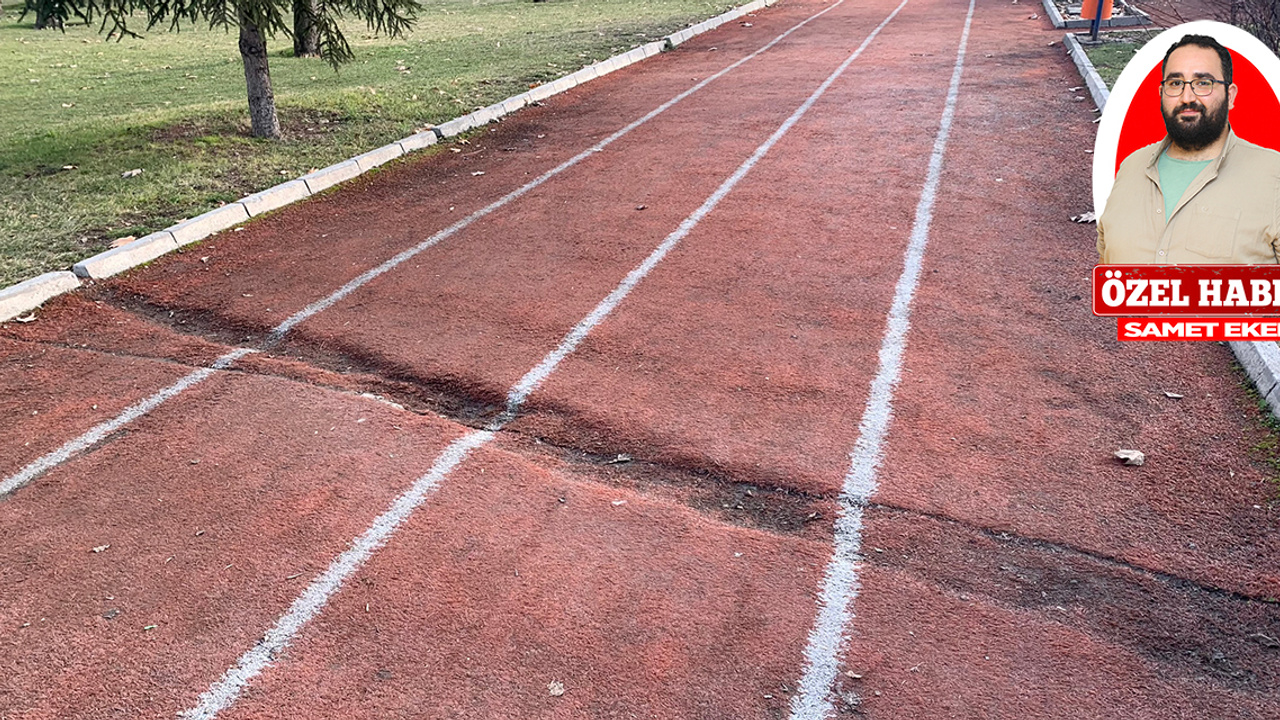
{"points": [[1186, 290]]}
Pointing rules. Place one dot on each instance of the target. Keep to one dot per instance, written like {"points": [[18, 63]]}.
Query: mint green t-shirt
{"points": [[1175, 178]]}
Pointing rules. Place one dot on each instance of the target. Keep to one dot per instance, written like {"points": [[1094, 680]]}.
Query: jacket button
{"points": [[1159, 210]]}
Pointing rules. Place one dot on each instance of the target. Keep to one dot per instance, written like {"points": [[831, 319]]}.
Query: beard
{"points": [[1199, 133]]}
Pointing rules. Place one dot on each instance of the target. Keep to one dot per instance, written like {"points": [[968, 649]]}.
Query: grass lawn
{"points": [[1110, 57], [77, 109]]}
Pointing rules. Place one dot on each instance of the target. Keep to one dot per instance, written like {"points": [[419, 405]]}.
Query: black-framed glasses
{"points": [[1201, 86]]}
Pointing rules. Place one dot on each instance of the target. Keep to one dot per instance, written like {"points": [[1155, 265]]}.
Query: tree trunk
{"points": [[45, 18], [306, 33], [257, 78]]}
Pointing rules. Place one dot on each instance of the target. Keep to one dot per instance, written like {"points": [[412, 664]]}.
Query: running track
{"points": [[783, 402]]}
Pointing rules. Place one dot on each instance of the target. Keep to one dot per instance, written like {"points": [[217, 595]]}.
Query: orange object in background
{"points": [[1090, 8]]}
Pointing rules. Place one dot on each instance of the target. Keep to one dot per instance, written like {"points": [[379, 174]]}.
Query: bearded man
{"points": [[1202, 195]]}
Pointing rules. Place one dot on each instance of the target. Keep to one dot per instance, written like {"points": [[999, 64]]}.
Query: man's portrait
{"points": [[1202, 194]]}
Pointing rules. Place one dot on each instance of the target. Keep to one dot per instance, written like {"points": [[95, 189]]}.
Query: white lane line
{"points": [[280, 330], [841, 585], [102, 430], [93, 436], [534, 377], [223, 693]]}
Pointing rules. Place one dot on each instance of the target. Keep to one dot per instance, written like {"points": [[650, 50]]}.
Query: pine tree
{"points": [[257, 21]]}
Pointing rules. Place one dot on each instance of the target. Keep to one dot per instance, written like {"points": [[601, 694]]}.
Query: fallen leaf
{"points": [[1265, 640], [1173, 395], [1085, 217], [100, 548], [131, 173], [556, 688], [620, 459], [26, 318], [1131, 457], [476, 173], [619, 502], [121, 242]]}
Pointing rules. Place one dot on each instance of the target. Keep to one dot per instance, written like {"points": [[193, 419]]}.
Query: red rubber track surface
{"points": [[652, 530]]}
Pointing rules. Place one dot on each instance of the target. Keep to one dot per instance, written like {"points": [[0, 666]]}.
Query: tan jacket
{"points": [[1229, 215]]}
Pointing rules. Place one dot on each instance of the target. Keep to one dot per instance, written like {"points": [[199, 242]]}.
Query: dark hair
{"points": [[1203, 41]]}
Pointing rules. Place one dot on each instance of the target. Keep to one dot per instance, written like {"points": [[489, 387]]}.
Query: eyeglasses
{"points": [[1200, 86]]}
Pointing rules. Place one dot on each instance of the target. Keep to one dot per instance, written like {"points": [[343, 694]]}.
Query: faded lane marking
{"points": [[840, 587]]}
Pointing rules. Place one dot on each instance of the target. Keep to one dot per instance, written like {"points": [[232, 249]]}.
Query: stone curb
{"points": [[1097, 89], [30, 294], [1261, 360], [116, 260], [325, 178], [681, 36], [214, 221], [275, 197], [374, 158], [1133, 18]]}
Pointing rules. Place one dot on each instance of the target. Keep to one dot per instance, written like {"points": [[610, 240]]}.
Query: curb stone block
{"points": [[676, 38], [493, 112], [513, 104], [116, 260], [276, 197], [540, 93], [202, 226], [585, 74], [30, 294], [564, 83], [1097, 89], [1051, 10], [418, 141], [632, 57], [654, 48], [1273, 402], [374, 158], [454, 127], [330, 176], [1261, 360]]}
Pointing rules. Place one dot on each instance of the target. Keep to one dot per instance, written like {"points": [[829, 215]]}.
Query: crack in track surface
{"points": [[1184, 626], [1190, 628], [771, 508]]}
